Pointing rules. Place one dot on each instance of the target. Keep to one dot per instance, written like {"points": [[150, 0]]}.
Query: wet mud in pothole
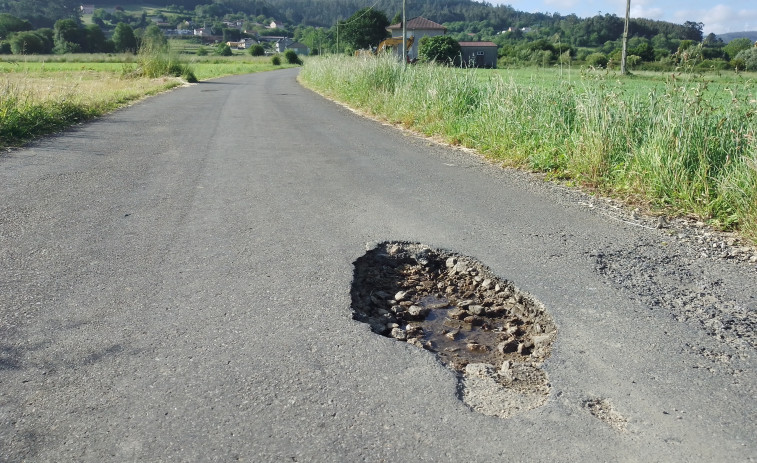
{"points": [[492, 335]]}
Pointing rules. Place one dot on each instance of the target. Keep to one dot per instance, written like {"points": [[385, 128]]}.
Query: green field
{"points": [[679, 143], [40, 94]]}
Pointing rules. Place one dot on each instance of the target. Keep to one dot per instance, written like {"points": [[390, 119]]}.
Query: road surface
{"points": [[175, 286]]}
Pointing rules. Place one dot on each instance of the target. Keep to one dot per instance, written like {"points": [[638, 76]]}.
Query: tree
{"points": [[69, 37], [364, 28], [733, 47], [100, 16], [231, 35], [441, 48], [95, 39], [153, 39], [693, 31], [9, 23], [124, 39], [643, 51], [30, 43]]}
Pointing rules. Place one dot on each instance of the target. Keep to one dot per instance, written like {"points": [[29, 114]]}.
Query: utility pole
{"points": [[623, 69], [404, 36]]}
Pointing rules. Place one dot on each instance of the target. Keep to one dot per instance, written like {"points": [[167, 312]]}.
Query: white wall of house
{"points": [[417, 33]]}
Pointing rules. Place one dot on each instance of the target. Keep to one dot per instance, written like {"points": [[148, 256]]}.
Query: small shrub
{"points": [[292, 57], [257, 50], [276, 60], [189, 75], [749, 57], [224, 50], [633, 60], [202, 51], [597, 60]]}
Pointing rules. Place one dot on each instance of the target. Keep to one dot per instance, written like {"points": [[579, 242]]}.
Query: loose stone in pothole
{"points": [[481, 326]]}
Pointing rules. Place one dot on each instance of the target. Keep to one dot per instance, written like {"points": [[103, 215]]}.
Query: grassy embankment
{"points": [[43, 94], [682, 144]]}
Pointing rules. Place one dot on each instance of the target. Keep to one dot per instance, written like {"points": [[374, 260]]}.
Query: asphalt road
{"points": [[175, 286]]}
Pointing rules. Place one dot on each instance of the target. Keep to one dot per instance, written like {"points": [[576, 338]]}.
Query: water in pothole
{"points": [[481, 326]]}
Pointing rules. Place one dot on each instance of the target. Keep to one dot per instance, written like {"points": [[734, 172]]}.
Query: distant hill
{"points": [[751, 35]]}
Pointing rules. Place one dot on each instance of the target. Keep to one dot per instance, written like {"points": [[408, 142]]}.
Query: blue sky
{"points": [[718, 17]]}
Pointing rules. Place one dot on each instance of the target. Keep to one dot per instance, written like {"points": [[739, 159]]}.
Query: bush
{"points": [[597, 60], [292, 57], [257, 50], [713, 65], [633, 60], [224, 50], [749, 57], [202, 51], [442, 49], [276, 60], [154, 63], [29, 43]]}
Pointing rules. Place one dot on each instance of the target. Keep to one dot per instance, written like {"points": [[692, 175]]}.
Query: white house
{"points": [[417, 28]]}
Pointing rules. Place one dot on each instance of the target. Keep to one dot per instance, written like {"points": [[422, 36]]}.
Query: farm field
{"points": [[42, 94], [676, 144], [717, 86]]}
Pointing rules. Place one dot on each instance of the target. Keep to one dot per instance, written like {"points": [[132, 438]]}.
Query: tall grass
{"points": [[41, 94], [36, 101], [679, 147], [157, 60], [21, 117]]}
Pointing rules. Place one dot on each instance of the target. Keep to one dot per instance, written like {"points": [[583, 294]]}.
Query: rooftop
{"points": [[418, 23]]}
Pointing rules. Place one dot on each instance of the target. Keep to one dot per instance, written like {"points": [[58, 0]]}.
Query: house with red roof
{"points": [[417, 28], [474, 54]]}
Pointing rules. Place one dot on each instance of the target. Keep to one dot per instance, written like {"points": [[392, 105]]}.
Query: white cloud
{"points": [[720, 18], [640, 11]]}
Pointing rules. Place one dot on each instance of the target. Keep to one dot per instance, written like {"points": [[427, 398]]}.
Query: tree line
{"points": [[523, 38]]}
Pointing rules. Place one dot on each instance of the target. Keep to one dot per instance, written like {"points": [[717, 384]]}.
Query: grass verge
{"points": [[43, 94], [682, 144]]}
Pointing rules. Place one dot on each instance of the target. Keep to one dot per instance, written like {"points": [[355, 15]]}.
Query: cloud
{"points": [[720, 18], [645, 9]]}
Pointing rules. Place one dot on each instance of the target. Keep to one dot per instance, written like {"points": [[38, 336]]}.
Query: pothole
{"points": [[494, 336], [604, 410]]}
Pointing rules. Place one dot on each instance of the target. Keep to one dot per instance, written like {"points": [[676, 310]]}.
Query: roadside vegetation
{"points": [[43, 94], [680, 143], [523, 39]]}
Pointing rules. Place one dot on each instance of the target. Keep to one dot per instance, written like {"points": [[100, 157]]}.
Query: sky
{"points": [[718, 17]]}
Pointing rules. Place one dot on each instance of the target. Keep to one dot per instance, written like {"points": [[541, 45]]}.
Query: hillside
{"points": [[727, 37], [325, 13]]}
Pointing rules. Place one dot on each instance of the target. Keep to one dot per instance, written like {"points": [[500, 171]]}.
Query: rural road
{"points": [[175, 286]]}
